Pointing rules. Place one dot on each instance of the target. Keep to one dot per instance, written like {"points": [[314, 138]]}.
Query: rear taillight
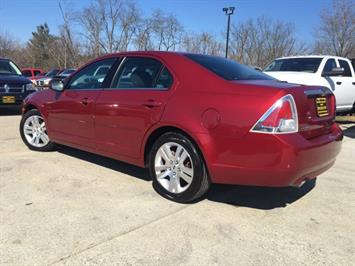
{"points": [[281, 118]]}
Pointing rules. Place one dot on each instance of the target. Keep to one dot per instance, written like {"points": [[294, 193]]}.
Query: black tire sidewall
{"points": [[198, 164], [48, 147]]}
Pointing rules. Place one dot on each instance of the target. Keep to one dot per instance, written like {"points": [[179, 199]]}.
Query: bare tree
{"points": [[92, 23], [257, 42], [144, 36], [336, 33], [203, 43], [110, 25], [168, 31], [10, 47], [7, 44], [67, 49]]}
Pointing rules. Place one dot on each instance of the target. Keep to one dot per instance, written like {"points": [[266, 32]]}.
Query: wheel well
{"points": [[160, 131], [28, 108]]}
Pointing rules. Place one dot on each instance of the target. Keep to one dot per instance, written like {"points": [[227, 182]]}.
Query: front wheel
{"points": [[177, 168], [34, 132]]}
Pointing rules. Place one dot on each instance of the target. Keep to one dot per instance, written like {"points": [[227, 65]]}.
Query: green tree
{"points": [[41, 46]]}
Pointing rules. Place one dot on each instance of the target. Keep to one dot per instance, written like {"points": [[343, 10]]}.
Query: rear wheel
{"points": [[34, 132], [177, 168]]}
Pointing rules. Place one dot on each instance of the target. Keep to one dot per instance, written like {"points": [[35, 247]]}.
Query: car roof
{"points": [[311, 56], [145, 53]]}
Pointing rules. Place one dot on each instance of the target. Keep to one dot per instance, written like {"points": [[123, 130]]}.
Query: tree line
{"points": [[107, 26]]}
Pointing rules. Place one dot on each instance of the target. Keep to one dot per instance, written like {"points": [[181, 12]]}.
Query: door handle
{"points": [[85, 101], [353, 83], [338, 82], [152, 103]]}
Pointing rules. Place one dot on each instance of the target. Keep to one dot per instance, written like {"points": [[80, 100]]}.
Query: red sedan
{"points": [[191, 119]]}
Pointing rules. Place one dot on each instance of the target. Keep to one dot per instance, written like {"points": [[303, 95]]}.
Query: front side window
{"points": [[329, 65], [92, 76], [345, 65], [228, 69], [309, 65], [137, 73]]}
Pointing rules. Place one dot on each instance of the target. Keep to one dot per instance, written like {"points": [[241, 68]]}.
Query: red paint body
{"points": [[217, 114]]}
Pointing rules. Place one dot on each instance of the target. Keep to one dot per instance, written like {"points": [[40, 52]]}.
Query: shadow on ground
{"points": [[106, 162], [239, 196], [11, 110], [349, 132], [258, 197]]}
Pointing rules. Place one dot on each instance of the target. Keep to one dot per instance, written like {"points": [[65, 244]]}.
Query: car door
{"points": [[345, 84], [134, 103], [332, 82], [71, 114]]}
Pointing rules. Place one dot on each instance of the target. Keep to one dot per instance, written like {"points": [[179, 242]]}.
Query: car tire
{"points": [[177, 168], [34, 133]]}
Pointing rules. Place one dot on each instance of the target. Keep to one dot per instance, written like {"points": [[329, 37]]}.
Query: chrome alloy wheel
{"points": [[35, 131], [173, 167]]}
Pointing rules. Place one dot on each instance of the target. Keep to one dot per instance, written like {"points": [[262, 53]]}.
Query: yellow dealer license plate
{"points": [[322, 106], [8, 99]]}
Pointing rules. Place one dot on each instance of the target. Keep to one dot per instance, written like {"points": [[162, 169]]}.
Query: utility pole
{"points": [[228, 11]]}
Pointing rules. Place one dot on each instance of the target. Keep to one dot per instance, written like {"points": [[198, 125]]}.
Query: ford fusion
{"points": [[191, 119]]}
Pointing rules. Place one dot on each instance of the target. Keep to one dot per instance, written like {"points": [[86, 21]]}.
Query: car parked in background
{"points": [[31, 73], [335, 73], [43, 82], [14, 87], [65, 73], [191, 119]]}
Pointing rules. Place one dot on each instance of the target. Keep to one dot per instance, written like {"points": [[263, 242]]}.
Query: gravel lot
{"points": [[73, 208]]}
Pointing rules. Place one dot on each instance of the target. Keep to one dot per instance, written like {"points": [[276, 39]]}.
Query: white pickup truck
{"points": [[334, 72]]}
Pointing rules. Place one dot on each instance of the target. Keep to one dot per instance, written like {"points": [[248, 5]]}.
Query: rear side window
{"points": [[344, 64], [138, 73], [165, 79], [228, 69], [329, 65]]}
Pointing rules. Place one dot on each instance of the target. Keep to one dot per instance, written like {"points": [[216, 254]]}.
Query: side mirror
{"points": [[336, 71], [56, 84]]}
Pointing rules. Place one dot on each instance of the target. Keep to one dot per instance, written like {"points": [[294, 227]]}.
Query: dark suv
{"points": [[13, 86]]}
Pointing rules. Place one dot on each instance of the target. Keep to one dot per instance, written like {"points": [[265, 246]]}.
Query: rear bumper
{"points": [[276, 160]]}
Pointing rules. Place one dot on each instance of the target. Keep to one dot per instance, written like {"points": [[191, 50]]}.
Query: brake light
{"points": [[280, 118]]}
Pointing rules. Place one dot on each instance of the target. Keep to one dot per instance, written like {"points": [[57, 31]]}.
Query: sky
{"points": [[19, 18]]}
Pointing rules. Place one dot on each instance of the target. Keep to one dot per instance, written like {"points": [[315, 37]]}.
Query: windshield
{"points": [[228, 69], [7, 67], [52, 73], [310, 65]]}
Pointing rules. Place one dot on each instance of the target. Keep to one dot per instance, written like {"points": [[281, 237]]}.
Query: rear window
{"points": [[310, 65], [228, 69]]}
